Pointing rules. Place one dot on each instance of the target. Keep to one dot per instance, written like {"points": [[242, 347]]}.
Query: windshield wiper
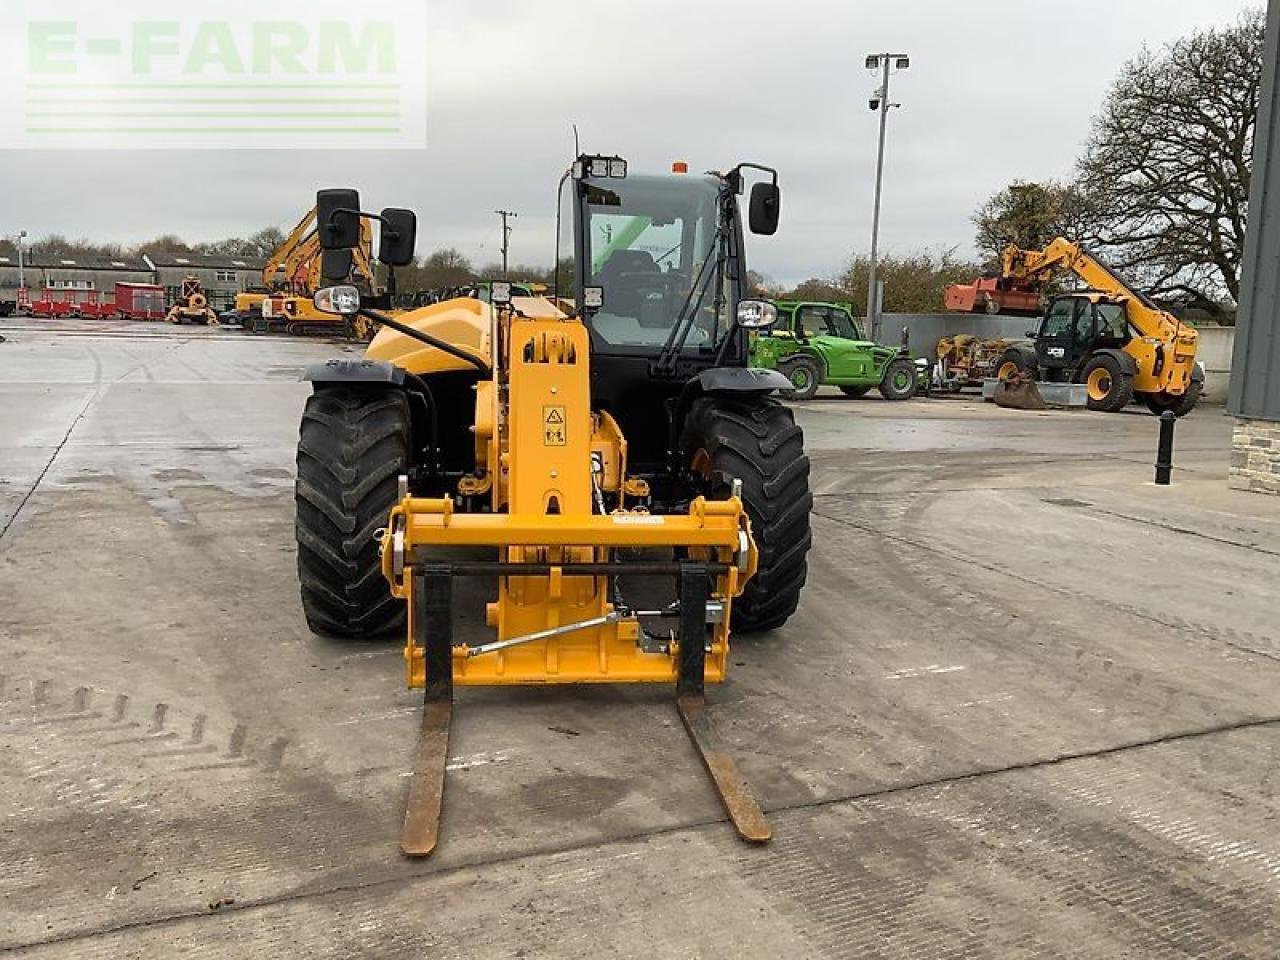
{"points": [[684, 319], [670, 252]]}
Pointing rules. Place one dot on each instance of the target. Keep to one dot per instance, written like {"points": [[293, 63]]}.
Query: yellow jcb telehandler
{"points": [[1110, 337], [627, 439]]}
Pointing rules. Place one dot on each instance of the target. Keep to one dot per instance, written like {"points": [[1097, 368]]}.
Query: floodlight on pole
{"points": [[887, 64]]}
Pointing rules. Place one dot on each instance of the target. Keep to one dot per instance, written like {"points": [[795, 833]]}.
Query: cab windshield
{"points": [[652, 246]]}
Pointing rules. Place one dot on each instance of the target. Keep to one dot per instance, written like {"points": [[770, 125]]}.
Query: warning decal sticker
{"points": [[553, 430]]}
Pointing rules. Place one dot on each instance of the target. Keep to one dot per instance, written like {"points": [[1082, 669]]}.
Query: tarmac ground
{"points": [[1029, 708]]}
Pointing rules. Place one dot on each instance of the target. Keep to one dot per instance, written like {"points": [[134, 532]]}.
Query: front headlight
{"points": [[756, 314], [343, 301]]}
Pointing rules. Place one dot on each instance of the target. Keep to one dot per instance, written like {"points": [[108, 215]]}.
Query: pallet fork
{"points": [[432, 599]]}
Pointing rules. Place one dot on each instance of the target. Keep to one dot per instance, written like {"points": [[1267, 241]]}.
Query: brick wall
{"points": [[1255, 456]]}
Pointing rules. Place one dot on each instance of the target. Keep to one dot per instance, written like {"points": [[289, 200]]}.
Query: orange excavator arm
{"points": [[307, 263], [279, 261]]}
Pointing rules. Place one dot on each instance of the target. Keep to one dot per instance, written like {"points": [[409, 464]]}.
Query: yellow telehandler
{"points": [[1110, 337], [627, 440]]}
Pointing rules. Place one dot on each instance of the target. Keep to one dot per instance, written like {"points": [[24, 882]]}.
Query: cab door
{"points": [[826, 328], [1056, 344]]}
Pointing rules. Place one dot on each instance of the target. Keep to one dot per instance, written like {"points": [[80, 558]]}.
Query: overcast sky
{"points": [[997, 90]]}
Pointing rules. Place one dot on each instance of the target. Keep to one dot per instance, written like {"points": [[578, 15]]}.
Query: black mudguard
{"points": [[737, 380], [354, 371], [1127, 363]]}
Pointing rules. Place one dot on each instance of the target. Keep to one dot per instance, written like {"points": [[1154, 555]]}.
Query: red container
{"points": [[43, 307], [140, 301], [92, 306]]}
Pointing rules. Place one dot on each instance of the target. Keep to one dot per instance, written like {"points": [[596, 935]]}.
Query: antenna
{"points": [[577, 150]]}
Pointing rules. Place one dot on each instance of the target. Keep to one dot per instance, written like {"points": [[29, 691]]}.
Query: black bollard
{"points": [[1164, 454]]}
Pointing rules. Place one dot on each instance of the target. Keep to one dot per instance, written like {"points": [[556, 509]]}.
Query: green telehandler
{"points": [[820, 343]]}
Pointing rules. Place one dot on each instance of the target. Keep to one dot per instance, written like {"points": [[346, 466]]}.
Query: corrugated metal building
{"points": [[1255, 365], [222, 277], [71, 272]]}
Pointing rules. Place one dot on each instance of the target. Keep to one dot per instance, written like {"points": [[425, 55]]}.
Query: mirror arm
{"points": [[426, 338], [360, 214], [736, 173]]}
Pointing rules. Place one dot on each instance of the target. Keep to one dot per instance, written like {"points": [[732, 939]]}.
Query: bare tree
{"points": [[446, 268], [1030, 216], [1167, 166]]}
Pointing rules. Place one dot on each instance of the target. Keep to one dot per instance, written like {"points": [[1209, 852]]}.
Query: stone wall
{"points": [[1255, 456]]}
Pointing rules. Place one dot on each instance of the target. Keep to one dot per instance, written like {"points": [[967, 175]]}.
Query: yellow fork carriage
{"points": [[556, 618]]}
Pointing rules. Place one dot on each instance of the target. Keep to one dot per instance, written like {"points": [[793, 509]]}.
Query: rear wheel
{"points": [[354, 445], [1110, 387], [1180, 404], [899, 381], [758, 443], [805, 376], [855, 392]]}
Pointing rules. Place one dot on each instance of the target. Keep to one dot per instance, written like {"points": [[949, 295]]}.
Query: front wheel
{"points": [[1109, 387], [1013, 363], [354, 445], [899, 381], [1180, 404], [805, 376], [758, 443]]}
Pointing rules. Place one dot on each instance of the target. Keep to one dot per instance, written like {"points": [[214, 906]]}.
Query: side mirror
{"points": [[338, 219], [343, 301], [398, 238], [756, 314], [335, 265], [766, 205], [1030, 334]]}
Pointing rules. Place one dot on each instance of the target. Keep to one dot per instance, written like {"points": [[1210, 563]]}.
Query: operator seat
{"points": [[629, 278], [625, 261]]}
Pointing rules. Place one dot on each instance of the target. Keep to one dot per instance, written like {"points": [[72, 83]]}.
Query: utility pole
{"points": [[506, 235], [887, 63]]}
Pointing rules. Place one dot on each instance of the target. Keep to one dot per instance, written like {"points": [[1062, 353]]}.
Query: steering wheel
{"points": [[636, 293]]}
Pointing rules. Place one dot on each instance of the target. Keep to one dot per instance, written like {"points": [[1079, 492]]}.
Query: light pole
{"points": [[887, 63], [506, 235], [22, 277]]}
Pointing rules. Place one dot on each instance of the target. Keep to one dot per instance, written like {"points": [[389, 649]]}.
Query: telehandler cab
{"points": [[626, 440]]}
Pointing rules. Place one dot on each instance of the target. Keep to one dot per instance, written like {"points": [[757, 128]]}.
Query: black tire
{"points": [[758, 442], [855, 392], [1110, 386], [1158, 403], [1014, 362], [353, 447], [899, 380], [805, 374]]}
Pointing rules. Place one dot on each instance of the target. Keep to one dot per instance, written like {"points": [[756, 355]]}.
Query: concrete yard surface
{"points": [[1030, 705]]}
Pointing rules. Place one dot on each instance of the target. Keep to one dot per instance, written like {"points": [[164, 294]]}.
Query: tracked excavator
{"points": [[588, 450], [291, 277], [1110, 337]]}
